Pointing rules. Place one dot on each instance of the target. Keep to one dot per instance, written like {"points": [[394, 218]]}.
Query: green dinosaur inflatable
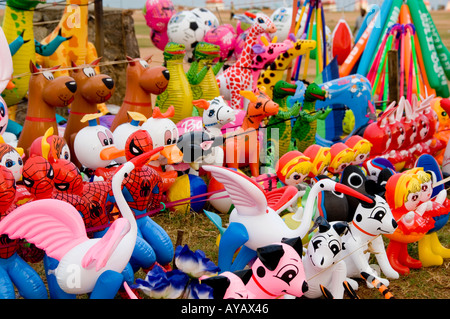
{"points": [[202, 72], [279, 129], [305, 127], [178, 92]]}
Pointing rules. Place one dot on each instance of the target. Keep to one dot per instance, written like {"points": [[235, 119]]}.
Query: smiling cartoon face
{"points": [[12, 160], [376, 219], [325, 247], [94, 147]]}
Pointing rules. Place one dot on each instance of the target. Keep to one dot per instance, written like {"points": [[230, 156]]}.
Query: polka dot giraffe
{"points": [[238, 77]]}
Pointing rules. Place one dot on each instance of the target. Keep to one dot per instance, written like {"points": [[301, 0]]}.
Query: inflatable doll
{"points": [[229, 285], [320, 157], [124, 130], [361, 148], [14, 271], [50, 145], [341, 157], [431, 251], [403, 196]]}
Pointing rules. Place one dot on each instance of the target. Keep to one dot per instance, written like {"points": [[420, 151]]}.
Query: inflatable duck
{"points": [[164, 132], [95, 149]]}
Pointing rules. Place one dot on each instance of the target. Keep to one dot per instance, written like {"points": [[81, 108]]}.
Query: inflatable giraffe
{"points": [[238, 77], [274, 73], [74, 24], [78, 49]]}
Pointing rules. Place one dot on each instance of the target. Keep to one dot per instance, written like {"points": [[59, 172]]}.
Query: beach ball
{"points": [[158, 13], [159, 39], [225, 37], [185, 187]]}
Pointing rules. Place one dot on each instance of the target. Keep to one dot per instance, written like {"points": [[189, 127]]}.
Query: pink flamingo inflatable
{"points": [[58, 228]]}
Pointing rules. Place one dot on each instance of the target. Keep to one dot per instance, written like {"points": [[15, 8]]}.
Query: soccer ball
{"points": [[207, 16], [187, 28]]}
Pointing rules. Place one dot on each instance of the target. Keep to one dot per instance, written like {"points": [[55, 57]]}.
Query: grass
{"points": [[195, 229], [199, 233]]}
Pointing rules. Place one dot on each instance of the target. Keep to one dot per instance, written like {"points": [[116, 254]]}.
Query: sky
{"points": [[139, 4]]}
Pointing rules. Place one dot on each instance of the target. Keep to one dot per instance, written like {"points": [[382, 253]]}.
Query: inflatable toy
{"points": [[238, 77], [95, 149], [37, 176], [242, 146], [24, 277], [431, 251], [217, 113], [124, 131], [100, 260], [200, 148], [374, 166], [159, 39], [223, 36], [352, 92], [202, 73], [379, 133], [164, 132], [403, 196], [142, 81], [209, 18], [50, 146], [293, 167], [341, 157], [92, 89], [431, 60], [45, 93], [364, 230], [5, 74], [229, 285], [78, 49], [361, 149], [18, 20], [282, 120], [320, 158], [322, 261], [388, 15], [251, 213], [442, 109], [278, 271], [187, 186], [264, 55], [142, 189], [178, 92], [187, 28], [342, 41], [282, 18], [305, 126], [158, 13]]}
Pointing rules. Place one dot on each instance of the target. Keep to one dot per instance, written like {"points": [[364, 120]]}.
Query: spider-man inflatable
{"points": [[143, 192], [14, 271]]}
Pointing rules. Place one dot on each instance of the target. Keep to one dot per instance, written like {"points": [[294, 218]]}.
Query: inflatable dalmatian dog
{"points": [[323, 262], [370, 221]]}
